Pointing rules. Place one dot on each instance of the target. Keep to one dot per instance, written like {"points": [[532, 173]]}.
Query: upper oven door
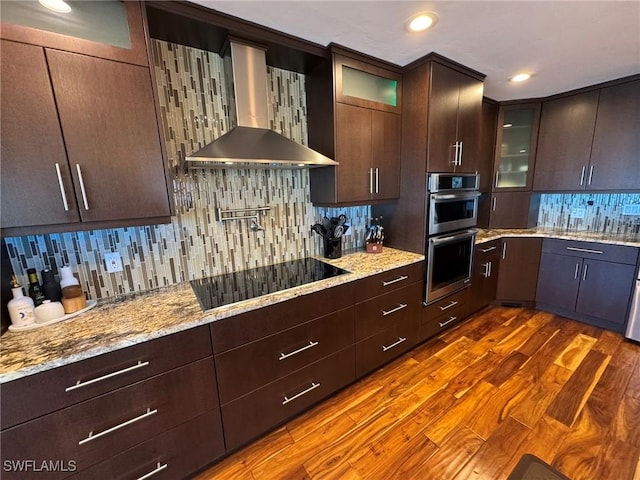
{"points": [[452, 211]]}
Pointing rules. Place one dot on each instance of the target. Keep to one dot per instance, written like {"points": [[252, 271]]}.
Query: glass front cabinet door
{"points": [[515, 147]]}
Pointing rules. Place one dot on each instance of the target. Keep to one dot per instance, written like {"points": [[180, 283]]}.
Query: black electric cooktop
{"points": [[234, 287]]}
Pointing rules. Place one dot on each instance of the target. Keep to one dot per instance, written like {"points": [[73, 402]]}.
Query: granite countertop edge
{"points": [[118, 323], [628, 239]]}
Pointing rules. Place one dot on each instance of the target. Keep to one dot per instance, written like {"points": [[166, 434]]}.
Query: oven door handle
{"points": [[455, 196], [450, 238]]}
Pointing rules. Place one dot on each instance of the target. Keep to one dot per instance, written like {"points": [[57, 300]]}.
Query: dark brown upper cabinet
{"points": [[83, 148], [455, 115], [359, 128], [515, 150], [590, 140]]}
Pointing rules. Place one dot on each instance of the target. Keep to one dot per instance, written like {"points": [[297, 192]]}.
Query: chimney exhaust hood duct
{"points": [[252, 143]]}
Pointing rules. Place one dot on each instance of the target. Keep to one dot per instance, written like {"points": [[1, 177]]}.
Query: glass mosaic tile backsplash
{"points": [[196, 107]]}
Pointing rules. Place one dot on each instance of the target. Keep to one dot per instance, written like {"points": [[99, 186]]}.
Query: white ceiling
{"points": [[566, 44]]}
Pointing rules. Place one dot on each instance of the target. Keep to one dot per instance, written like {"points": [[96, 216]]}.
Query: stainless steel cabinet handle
{"points": [[455, 154], [62, 190], [394, 344], [377, 180], [91, 436], [295, 352], [313, 386], [590, 175], [585, 250], [497, 173], [396, 280], [493, 204], [158, 469], [490, 268], [80, 384], [460, 155], [490, 249], [584, 272], [485, 274], [575, 274], [451, 319], [452, 303], [394, 310], [84, 193], [584, 169], [371, 180], [504, 250]]}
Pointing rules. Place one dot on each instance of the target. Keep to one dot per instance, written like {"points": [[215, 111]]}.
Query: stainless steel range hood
{"points": [[252, 143]]}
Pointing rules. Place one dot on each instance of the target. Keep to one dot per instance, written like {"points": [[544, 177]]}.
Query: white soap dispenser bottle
{"points": [[20, 307]]}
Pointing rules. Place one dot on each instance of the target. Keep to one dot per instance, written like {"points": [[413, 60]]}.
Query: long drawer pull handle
{"points": [[585, 250], [84, 193], [80, 384], [63, 192], [394, 310], [575, 274], [91, 436], [490, 249], [158, 469], [399, 279], [453, 303], [313, 386], [394, 344], [295, 352], [584, 272], [451, 319]]}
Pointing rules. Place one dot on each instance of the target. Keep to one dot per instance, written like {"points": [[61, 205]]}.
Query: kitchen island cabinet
{"points": [[587, 281], [590, 140], [518, 277], [98, 160], [360, 128]]}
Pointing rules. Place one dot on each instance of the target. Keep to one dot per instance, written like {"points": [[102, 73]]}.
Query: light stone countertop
{"points": [[632, 240], [119, 323]]}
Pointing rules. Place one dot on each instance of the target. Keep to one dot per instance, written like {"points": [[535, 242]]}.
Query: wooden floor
{"points": [[468, 405]]}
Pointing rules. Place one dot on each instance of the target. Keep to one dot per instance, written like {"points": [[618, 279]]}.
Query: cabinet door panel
{"points": [[469, 122], [510, 210], [558, 280], [518, 275], [32, 143], [605, 290], [110, 129], [615, 155], [564, 142], [353, 151], [385, 137], [443, 113]]}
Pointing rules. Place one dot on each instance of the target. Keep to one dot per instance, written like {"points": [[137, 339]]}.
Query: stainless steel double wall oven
{"points": [[452, 216]]}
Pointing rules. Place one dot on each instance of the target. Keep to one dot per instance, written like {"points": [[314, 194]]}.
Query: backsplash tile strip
{"points": [[196, 104]]}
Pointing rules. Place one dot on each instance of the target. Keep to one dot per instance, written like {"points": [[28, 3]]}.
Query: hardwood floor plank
{"points": [[454, 349], [543, 441], [491, 339], [520, 317], [452, 456], [428, 349], [441, 377], [506, 368], [436, 406], [514, 340], [607, 395], [495, 453], [619, 461], [608, 342], [572, 356], [627, 421], [473, 373], [538, 339], [540, 319], [462, 410], [574, 394]]}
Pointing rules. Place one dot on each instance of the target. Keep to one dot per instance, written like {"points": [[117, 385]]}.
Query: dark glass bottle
{"points": [[35, 290], [50, 286]]}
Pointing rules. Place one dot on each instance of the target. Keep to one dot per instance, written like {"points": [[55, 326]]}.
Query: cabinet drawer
{"points": [[97, 429], [382, 312], [387, 281], [445, 313], [592, 250], [255, 413], [251, 366], [486, 249], [42, 393], [176, 453], [445, 306], [386, 345], [247, 327]]}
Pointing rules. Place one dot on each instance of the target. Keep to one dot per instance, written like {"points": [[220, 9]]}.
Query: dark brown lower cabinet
{"points": [[255, 413], [518, 277], [444, 313], [484, 279], [573, 283]]}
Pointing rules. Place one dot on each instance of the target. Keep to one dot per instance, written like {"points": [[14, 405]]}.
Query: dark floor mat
{"points": [[531, 467]]}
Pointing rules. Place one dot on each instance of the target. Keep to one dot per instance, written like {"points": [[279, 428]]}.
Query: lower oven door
{"points": [[449, 259]]}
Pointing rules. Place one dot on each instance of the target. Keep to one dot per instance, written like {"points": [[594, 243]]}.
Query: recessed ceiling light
{"points": [[520, 77], [59, 6], [421, 21]]}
